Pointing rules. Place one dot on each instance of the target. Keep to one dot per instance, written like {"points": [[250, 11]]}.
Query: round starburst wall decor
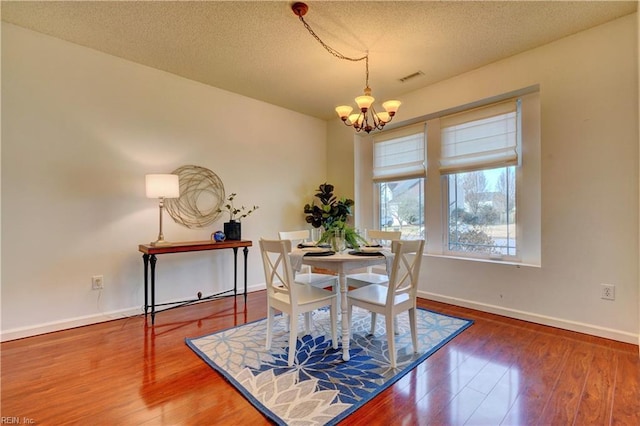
{"points": [[201, 196]]}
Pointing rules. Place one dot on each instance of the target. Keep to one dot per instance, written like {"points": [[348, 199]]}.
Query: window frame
{"points": [[477, 255], [377, 202], [446, 201], [419, 172], [528, 179]]}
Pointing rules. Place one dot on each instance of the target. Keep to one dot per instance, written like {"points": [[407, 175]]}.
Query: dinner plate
{"points": [[305, 245], [362, 253], [365, 249], [315, 249], [319, 253]]}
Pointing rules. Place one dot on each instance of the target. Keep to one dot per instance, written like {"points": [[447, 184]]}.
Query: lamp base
{"points": [[160, 243]]}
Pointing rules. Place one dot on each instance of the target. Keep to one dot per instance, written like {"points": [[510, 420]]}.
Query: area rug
{"points": [[320, 388]]}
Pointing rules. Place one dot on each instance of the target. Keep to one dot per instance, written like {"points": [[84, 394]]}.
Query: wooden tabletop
{"points": [[187, 246]]}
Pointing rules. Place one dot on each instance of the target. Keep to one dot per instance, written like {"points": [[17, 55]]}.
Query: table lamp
{"points": [[162, 186]]}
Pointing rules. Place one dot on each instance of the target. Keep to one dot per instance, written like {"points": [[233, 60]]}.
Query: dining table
{"points": [[341, 263]]}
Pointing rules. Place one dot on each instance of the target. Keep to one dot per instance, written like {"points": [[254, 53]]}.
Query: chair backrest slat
{"points": [[406, 268], [377, 235], [277, 268], [295, 237]]}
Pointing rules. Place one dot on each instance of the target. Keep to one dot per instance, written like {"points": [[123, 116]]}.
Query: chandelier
{"points": [[366, 118]]}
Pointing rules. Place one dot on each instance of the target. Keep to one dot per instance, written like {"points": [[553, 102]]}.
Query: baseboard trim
{"points": [[50, 327], [564, 324], [594, 330]]}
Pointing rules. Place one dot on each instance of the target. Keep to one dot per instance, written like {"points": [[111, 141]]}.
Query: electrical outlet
{"points": [[608, 291], [97, 282]]}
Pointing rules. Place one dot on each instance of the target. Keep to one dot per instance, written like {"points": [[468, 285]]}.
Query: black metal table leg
{"points": [[145, 261], [153, 288], [246, 252], [235, 271]]}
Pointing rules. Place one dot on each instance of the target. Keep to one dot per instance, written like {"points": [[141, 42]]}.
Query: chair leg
{"points": [[333, 314], [293, 338], [414, 331], [388, 319], [374, 318], [350, 314], [307, 323], [269, 326]]}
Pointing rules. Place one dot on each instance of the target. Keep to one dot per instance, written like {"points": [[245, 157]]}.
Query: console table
{"points": [[149, 258]]}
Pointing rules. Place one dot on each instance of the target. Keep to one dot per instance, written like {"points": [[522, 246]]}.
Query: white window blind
{"points": [[399, 154], [481, 138]]}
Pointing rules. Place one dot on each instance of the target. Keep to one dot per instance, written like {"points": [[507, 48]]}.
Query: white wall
{"points": [[589, 186], [80, 129]]}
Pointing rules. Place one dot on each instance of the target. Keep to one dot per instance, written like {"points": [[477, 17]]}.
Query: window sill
{"points": [[476, 259]]}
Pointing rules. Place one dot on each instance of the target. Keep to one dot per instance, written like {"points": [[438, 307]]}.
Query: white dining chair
{"points": [[305, 275], [369, 277], [396, 297], [285, 295]]}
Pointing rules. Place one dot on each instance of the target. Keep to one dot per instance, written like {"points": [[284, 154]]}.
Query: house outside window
{"points": [[401, 207]]}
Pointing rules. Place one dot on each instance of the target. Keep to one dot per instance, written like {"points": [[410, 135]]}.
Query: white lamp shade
{"points": [[391, 106], [364, 102], [162, 186], [356, 119], [344, 110], [384, 117]]}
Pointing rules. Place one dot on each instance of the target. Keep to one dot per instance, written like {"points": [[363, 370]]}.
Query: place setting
{"points": [[320, 250], [314, 247], [368, 250], [375, 243]]}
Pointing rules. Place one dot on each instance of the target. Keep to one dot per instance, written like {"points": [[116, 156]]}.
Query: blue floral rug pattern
{"points": [[320, 388]]}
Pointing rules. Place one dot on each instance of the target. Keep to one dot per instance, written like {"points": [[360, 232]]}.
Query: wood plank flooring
{"points": [[500, 371]]}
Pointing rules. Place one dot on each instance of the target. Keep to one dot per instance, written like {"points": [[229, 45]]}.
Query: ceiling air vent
{"points": [[410, 76]]}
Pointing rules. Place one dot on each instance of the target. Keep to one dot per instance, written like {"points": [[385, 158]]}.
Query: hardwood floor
{"points": [[499, 371]]}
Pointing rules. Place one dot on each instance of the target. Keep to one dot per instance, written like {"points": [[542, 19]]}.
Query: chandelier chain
{"points": [[334, 52], [330, 49], [366, 119]]}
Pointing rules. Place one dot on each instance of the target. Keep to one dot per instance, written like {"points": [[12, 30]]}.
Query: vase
{"points": [[233, 230], [218, 236], [337, 240]]}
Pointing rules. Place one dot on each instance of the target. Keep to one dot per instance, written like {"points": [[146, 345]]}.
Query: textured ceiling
{"points": [[260, 49]]}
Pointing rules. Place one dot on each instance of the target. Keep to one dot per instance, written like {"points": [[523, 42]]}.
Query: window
{"points": [[398, 174], [479, 155], [401, 207], [476, 193], [482, 209]]}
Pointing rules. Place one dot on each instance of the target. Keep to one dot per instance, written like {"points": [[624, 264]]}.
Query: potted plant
{"points": [[233, 229], [331, 213]]}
